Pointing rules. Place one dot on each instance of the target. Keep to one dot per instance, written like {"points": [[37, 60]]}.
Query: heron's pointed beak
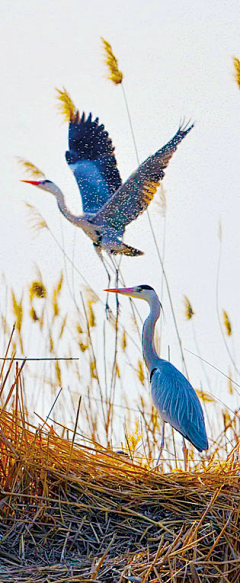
{"points": [[34, 182], [128, 291]]}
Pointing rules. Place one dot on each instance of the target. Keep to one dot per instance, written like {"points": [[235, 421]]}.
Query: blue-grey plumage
{"points": [[172, 394], [108, 205]]}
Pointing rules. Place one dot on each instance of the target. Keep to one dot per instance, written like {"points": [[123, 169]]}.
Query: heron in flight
{"points": [[108, 204], [172, 394]]}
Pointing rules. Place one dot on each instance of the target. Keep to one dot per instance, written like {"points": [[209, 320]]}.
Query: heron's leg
{"points": [[185, 455], [99, 253], [162, 444]]}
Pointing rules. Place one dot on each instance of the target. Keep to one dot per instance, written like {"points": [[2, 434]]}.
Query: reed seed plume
{"points": [[37, 222], [236, 63], [116, 76], [56, 293], [30, 168], [33, 315], [37, 289], [160, 201], [189, 313], [227, 323], [124, 340], [66, 106]]}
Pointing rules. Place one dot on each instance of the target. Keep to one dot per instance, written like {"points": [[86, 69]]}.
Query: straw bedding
{"points": [[72, 512]]}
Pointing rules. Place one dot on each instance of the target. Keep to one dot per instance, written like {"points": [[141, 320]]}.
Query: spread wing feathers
{"points": [[178, 404], [134, 196], [91, 158]]}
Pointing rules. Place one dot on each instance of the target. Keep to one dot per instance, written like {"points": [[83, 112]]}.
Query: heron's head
{"points": [[144, 292], [47, 185]]}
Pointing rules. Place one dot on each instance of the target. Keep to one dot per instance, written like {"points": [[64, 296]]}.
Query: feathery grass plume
{"points": [[204, 396], [33, 314], [30, 168], [227, 323], [124, 340], [140, 372], [83, 346], [133, 439], [18, 312], [66, 105], [236, 63], [50, 342], [79, 328], [56, 293], [37, 289], [115, 74], [189, 313], [117, 370], [37, 221], [93, 370], [91, 316]]}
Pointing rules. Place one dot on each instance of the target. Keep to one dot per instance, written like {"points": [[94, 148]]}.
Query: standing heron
{"points": [[108, 204], [172, 394]]}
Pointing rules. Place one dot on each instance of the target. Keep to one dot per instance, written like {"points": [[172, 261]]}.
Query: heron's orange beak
{"points": [[34, 182], [121, 290]]}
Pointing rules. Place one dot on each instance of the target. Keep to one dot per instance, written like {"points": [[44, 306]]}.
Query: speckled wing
{"points": [[178, 404], [92, 161], [134, 196]]}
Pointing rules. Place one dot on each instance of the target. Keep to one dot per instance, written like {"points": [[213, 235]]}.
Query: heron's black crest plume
{"points": [[146, 287]]}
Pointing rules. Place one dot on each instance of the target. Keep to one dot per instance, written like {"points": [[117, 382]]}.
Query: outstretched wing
{"points": [[91, 158], [134, 196], [178, 404]]}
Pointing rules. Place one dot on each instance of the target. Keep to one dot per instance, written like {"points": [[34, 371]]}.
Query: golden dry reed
{"points": [[66, 105], [236, 63], [30, 168], [116, 76], [189, 313], [227, 323]]}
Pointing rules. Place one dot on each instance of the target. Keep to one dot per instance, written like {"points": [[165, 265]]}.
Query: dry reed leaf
{"points": [[63, 326], [227, 323], [30, 168], [37, 289], [115, 74], [236, 63], [189, 313], [66, 105], [140, 372]]}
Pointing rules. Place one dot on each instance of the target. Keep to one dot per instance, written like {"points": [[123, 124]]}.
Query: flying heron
{"points": [[172, 394], [108, 204]]}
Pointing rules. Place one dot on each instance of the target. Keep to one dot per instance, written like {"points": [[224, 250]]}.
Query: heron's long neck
{"points": [[63, 208], [149, 352]]}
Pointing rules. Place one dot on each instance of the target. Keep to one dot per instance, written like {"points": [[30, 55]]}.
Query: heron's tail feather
{"points": [[127, 250]]}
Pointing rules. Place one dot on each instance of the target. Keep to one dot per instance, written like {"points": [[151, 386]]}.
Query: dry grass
{"points": [[72, 510]]}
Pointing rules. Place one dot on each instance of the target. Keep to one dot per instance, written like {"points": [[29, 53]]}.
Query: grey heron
{"points": [[108, 204], [172, 394]]}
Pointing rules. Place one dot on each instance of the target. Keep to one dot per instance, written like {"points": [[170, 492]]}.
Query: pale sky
{"points": [[177, 60]]}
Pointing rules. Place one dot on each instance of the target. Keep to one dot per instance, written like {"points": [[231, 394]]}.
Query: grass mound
{"points": [[79, 512]]}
